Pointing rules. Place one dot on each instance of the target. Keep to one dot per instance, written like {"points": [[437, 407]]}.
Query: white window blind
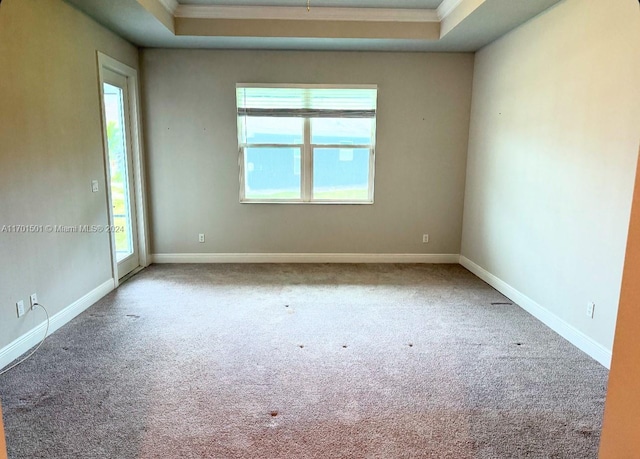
{"points": [[307, 102]]}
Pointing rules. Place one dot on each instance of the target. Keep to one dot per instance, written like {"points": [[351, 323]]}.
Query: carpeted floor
{"points": [[304, 361]]}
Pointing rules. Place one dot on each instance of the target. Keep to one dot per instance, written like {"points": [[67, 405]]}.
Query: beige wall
{"points": [[423, 116], [552, 154], [621, 431], [306, 28], [50, 150]]}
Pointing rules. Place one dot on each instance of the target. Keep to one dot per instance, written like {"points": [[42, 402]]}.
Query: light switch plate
{"points": [[20, 308]]}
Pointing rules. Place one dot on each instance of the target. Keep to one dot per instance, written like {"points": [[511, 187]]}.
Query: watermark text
{"points": [[62, 229]]}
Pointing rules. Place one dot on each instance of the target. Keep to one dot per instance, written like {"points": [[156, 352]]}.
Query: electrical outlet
{"points": [[425, 238], [201, 237], [34, 300], [20, 308], [591, 309]]}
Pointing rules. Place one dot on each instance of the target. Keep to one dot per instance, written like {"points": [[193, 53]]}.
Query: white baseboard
{"points": [[21, 345], [598, 352], [305, 258], [567, 331]]}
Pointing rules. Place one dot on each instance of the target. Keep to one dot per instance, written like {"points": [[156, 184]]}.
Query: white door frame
{"points": [[106, 62]]}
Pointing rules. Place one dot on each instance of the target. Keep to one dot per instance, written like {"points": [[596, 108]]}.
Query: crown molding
{"points": [[301, 13], [447, 7], [170, 5]]}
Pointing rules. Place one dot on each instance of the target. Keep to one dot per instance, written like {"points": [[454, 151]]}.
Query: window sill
{"points": [[332, 203]]}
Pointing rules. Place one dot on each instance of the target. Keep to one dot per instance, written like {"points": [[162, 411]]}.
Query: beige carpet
{"points": [[304, 361]]}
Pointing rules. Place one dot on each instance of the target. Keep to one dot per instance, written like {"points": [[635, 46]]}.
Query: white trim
{"points": [[170, 5], [301, 13], [447, 7], [305, 258], [306, 86], [21, 345], [299, 201], [567, 331], [137, 152]]}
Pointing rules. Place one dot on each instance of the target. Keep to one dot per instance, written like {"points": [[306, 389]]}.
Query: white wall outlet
{"points": [[201, 237], [34, 300], [591, 309], [425, 238], [94, 186], [20, 308]]}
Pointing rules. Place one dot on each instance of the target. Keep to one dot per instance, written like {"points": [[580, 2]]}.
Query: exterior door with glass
{"points": [[118, 135]]}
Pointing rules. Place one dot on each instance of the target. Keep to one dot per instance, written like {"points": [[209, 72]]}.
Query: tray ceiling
{"points": [[356, 25]]}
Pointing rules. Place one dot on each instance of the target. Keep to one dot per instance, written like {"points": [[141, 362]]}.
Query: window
{"points": [[306, 143]]}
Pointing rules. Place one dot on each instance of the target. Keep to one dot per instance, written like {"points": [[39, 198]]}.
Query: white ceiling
{"points": [[489, 21]]}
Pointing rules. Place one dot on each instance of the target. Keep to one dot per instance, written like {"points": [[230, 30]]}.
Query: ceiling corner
{"points": [[170, 5]]}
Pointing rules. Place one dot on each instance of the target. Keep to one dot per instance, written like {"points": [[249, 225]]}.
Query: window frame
{"points": [[307, 151]]}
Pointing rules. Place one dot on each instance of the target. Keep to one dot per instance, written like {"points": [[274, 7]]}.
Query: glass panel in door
{"points": [[116, 119]]}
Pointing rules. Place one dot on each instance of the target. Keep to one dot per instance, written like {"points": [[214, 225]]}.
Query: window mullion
{"points": [[307, 163]]}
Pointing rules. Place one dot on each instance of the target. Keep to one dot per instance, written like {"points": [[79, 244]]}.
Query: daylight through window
{"points": [[306, 143]]}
